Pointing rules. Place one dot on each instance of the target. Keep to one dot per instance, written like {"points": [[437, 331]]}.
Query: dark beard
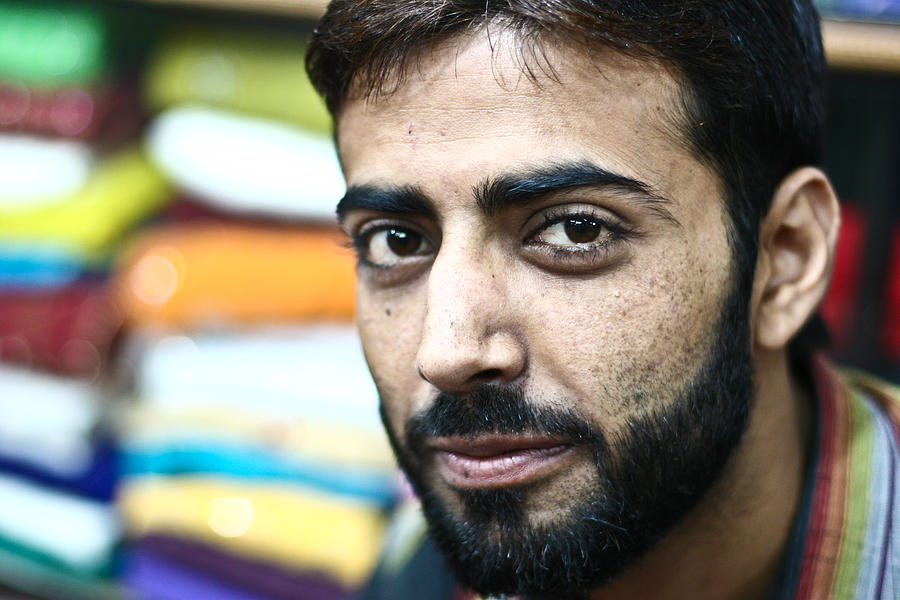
{"points": [[648, 477]]}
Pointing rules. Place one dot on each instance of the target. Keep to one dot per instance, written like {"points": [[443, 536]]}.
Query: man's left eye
{"points": [[571, 231]]}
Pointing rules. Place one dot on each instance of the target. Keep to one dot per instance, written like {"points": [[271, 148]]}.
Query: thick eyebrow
{"points": [[410, 200], [497, 193]]}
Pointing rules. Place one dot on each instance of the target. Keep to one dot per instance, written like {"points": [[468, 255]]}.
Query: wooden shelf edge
{"points": [[862, 46], [307, 9], [848, 44]]}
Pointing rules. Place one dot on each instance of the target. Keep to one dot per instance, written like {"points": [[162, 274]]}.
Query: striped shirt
{"points": [[846, 541]]}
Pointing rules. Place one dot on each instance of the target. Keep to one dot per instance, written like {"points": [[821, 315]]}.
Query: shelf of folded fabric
{"points": [[246, 468], [253, 462], [175, 322], [74, 182]]}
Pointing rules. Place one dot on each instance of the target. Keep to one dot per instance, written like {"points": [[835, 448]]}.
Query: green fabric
{"points": [[856, 512], [52, 44], [258, 74]]}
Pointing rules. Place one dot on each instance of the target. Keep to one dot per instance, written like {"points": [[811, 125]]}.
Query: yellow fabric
{"points": [[208, 274], [283, 524], [124, 189], [334, 445], [243, 71]]}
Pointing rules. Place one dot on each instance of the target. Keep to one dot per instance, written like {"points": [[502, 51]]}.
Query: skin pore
{"points": [[554, 236]]}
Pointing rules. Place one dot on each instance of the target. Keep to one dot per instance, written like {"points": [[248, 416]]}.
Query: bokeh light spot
{"points": [[229, 517], [154, 279]]}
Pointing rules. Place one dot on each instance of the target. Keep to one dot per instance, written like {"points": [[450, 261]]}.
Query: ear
{"points": [[796, 255]]}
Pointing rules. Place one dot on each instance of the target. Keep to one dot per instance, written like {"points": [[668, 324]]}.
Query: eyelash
{"points": [[359, 241], [618, 233], [559, 255]]}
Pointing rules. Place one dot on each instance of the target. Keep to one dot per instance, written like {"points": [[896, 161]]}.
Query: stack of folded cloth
{"points": [[59, 528], [254, 462], [58, 525], [72, 179], [72, 183], [239, 127]]}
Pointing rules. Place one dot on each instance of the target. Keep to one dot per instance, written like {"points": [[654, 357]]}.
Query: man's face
{"points": [[545, 300]]}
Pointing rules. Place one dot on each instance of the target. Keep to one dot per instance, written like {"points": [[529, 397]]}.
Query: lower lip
{"points": [[503, 470]]}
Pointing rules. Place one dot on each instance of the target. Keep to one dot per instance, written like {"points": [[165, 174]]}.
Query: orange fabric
{"points": [[235, 273]]}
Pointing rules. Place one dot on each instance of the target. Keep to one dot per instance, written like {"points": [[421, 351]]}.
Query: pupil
{"points": [[402, 243], [582, 231]]}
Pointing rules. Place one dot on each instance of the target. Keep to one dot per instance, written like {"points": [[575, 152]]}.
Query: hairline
{"points": [[674, 123]]}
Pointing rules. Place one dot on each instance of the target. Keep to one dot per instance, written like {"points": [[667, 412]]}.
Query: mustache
{"points": [[492, 409]]}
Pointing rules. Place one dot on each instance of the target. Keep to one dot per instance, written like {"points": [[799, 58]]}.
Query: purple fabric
{"points": [[151, 576], [268, 580]]}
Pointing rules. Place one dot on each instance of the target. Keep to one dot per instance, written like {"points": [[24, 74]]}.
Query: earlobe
{"points": [[798, 237]]}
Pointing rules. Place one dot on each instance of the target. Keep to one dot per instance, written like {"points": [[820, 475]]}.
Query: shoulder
{"points": [[886, 395], [851, 520]]}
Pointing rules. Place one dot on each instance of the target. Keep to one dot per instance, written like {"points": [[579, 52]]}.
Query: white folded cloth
{"points": [[77, 532], [308, 372], [244, 164], [36, 171], [47, 420]]}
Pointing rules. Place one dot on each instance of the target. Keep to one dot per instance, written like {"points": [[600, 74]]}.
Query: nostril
{"points": [[488, 375]]}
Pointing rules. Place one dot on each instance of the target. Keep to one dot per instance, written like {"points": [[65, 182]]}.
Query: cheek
{"points": [[390, 326], [644, 329]]}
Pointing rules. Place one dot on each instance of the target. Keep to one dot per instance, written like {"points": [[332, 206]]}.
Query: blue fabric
{"points": [[26, 266], [98, 481]]}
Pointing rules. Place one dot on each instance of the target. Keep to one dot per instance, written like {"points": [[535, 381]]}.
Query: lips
{"points": [[498, 461]]}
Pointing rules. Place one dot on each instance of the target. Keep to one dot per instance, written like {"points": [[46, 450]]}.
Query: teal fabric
{"points": [[372, 485], [34, 266], [52, 44]]}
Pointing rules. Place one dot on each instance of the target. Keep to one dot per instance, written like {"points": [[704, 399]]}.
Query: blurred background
{"points": [[186, 409]]}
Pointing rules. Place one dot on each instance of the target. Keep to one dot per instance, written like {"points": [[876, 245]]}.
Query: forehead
{"points": [[472, 109]]}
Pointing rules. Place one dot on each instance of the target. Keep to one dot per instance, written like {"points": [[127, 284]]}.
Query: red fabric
{"points": [[68, 331], [839, 307], [891, 339], [102, 114], [188, 209]]}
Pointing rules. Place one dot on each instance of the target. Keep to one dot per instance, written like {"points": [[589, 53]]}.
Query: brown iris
{"points": [[581, 230], [403, 243]]}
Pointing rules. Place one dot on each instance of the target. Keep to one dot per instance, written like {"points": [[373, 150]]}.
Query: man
{"points": [[588, 232]]}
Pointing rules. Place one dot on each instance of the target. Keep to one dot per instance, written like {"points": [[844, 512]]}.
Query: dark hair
{"points": [[751, 71]]}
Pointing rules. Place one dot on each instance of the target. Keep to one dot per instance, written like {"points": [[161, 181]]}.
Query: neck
{"points": [[731, 545]]}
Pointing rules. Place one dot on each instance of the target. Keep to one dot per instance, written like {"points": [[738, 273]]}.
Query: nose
{"points": [[469, 334]]}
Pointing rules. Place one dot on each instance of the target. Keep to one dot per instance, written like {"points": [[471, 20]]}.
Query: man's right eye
{"points": [[388, 245]]}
